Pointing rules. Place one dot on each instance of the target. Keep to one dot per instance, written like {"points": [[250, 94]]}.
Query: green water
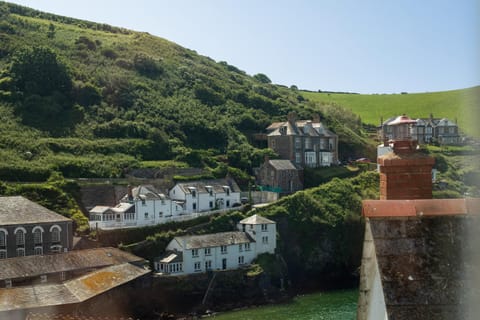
{"points": [[337, 305]]}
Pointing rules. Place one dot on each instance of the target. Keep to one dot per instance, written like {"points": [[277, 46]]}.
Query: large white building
{"points": [[219, 251], [144, 206]]}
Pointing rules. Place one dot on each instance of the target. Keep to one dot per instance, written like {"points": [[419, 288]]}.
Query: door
{"points": [[224, 263]]}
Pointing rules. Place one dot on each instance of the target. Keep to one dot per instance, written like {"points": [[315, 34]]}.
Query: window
{"points": [[247, 246], [38, 251], [196, 266], [3, 238], [3, 254], [208, 265], [210, 204], [129, 216], [56, 249], [43, 278], [223, 249], [146, 215], [207, 252], [298, 143], [55, 231], [241, 260], [227, 190], [194, 252], [20, 252], [228, 203], [20, 237], [194, 193], [194, 206], [264, 239], [298, 157], [240, 247], [308, 143], [144, 203], [63, 275], [264, 227], [37, 235], [8, 283]]}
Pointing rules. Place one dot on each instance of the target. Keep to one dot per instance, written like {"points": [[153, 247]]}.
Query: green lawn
{"points": [[462, 105]]}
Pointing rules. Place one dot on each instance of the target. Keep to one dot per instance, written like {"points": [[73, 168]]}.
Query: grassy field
{"points": [[462, 105]]}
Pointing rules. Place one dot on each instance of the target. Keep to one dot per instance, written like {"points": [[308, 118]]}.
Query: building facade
{"points": [[144, 206], [219, 251], [281, 176], [424, 130], [27, 228], [304, 142]]}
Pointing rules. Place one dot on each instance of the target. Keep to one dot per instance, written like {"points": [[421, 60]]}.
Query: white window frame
{"points": [[3, 239], [20, 252], [38, 251], [35, 231], [20, 241], [54, 230]]}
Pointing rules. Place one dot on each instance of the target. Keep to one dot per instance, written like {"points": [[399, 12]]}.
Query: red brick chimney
{"points": [[405, 173]]}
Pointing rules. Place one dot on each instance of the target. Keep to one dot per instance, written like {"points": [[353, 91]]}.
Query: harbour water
{"points": [[336, 305]]}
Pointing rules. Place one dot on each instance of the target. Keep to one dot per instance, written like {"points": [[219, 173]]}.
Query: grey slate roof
{"points": [[256, 219], [217, 185], [30, 266], [213, 240], [72, 291], [280, 164], [19, 210]]}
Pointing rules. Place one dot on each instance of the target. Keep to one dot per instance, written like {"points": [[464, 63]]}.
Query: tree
{"points": [[38, 71], [262, 78], [51, 31]]}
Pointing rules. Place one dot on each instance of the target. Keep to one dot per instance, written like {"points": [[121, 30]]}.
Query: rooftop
{"points": [[256, 219], [282, 164], [203, 186], [19, 210], [30, 266], [213, 240], [73, 291]]}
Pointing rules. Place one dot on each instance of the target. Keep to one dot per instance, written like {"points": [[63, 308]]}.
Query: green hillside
{"points": [[90, 100], [455, 104]]}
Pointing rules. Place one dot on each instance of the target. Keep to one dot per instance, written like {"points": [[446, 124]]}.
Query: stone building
{"points": [[281, 176], [304, 142], [27, 228]]}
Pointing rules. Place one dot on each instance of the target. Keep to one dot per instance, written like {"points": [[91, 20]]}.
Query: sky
{"points": [[371, 46]]}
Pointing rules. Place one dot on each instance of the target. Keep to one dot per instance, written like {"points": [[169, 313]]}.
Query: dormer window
{"points": [[193, 191], [227, 190], [209, 190]]}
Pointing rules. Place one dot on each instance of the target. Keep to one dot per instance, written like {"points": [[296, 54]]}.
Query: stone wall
{"points": [[425, 265]]}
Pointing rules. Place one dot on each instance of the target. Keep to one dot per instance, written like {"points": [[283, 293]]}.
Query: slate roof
{"points": [[72, 291], [213, 240], [280, 164], [299, 129], [216, 185], [19, 210], [256, 219], [29, 266]]}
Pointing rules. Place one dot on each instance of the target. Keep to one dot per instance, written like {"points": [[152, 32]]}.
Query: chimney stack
{"points": [[292, 117], [405, 173]]}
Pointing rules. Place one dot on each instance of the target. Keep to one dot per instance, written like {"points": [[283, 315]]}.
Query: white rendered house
{"points": [[144, 206], [219, 251], [208, 195]]}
